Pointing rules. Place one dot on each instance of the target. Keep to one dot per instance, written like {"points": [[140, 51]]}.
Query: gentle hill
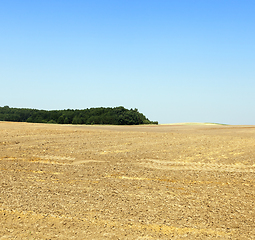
{"points": [[193, 123]]}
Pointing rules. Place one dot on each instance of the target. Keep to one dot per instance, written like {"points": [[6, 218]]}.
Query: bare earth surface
{"points": [[129, 182]]}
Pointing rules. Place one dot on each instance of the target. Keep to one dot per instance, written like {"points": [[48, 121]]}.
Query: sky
{"points": [[174, 60]]}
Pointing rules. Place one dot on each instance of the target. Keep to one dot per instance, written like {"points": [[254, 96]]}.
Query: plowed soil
{"points": [[129, 182]]}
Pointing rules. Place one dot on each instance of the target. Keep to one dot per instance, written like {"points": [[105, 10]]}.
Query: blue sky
{"points": [[174, 60]]}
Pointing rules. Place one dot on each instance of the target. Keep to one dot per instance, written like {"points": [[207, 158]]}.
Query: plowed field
{"points": [[127, 182]]}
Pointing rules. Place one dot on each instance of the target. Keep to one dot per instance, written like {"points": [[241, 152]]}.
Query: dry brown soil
{"points": [[129, 182]]}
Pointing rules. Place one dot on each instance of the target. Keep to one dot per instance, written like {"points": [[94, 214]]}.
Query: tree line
{"points": [[101, 115]]}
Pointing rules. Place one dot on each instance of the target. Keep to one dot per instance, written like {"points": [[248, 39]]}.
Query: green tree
{"points": [[61, 120], [77, 120], [66, 121]]}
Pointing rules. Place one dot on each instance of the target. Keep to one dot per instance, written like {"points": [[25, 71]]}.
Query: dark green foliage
{"points": [[114, 116], [61, 119], [51, 121]]}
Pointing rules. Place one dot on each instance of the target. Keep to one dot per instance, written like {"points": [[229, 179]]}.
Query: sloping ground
{"points": [[134, 182], [193, 123]]}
